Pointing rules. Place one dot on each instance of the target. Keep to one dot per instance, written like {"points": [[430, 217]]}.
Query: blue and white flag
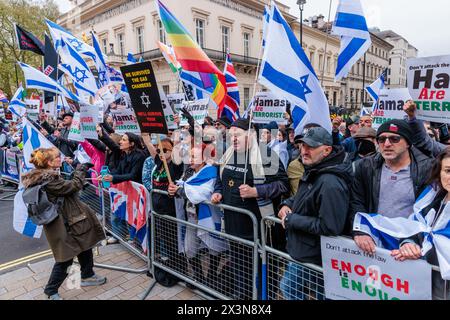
{"points": [[131, 59], [35, 79], [198, 189], [195, 79], [21, 223], [59, 35], [17, 106], [374, 89], [350, 24], [141, 59], [114, 75], [266, 19], [287, 72], [388, 232], [76, 68], [100, 64]]}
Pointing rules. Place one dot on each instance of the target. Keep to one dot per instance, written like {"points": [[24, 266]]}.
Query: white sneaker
{"points": [[55, 296], [111, 240]]}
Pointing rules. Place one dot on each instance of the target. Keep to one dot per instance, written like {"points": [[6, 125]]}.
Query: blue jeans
{"points": [[301, 283]]}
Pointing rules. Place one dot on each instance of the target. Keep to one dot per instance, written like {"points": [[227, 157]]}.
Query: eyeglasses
{"points": [[164, 150], [393, 139]]}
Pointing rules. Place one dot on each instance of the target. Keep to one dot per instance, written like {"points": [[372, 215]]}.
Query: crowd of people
{"points": [[315, 182]]}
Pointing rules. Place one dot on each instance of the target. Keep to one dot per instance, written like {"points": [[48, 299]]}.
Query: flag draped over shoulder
{"points": [[388, 232], [350, 24], [130, 202], [287, 72], [191, 57]]}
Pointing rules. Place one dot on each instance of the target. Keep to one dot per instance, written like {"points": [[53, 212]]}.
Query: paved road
{"points": [[12, 244]]}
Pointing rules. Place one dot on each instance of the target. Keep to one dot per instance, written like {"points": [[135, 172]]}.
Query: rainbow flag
{"points": [[191, 56], [170, 57]]}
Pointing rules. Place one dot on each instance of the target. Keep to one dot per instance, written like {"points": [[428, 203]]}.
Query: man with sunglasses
{"points": [[389, 182]]}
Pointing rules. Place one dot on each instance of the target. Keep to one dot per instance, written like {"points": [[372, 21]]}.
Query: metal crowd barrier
{"points": [[283, 278], [222, 265], [7, 193]]}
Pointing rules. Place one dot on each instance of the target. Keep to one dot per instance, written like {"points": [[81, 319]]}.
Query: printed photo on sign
{"points": [[428, 84], [390, 106], [32, 106], [351, 274], [267, 108]]}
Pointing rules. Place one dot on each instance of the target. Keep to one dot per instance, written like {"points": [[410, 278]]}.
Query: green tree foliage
{"points": [[30, 15]]}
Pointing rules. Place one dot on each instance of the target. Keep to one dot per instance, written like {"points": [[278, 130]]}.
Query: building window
{"points": [[200, 32], [140, 39], [328, 64], [161, 33], [246, 44], [166, 89], [321, 63], [105, 45], [311, 58], [225, 38], [246, 97], [121, 44]]}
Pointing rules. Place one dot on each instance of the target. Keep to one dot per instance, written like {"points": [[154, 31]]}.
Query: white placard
{"points": [[176, 101], [168, 111], [350, 274], [125, 121], [390, 106], [428, 84], [88, 121], [267, 108], [198, 109], [32, 106], [75, 131]]}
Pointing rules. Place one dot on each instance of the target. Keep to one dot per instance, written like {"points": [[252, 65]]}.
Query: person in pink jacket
{"points": [[96, 151]]}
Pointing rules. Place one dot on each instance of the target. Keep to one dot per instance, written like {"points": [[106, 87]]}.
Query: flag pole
{"points": [[326, 43], [14, 44]]}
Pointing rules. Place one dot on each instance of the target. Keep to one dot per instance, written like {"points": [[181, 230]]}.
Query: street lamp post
{"points": [[301, 5]]}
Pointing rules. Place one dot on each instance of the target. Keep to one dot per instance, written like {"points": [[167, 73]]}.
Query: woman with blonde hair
{"points": [[76, 230]]}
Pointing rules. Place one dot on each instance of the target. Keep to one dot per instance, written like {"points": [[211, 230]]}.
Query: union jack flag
{"points": [[130, 202], [232, 100]]}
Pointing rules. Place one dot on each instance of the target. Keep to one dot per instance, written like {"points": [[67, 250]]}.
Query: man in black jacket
{"points": [[319, 208], [389, 182]]}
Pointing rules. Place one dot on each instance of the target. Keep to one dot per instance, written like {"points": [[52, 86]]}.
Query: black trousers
{"points": [[59, 272]]}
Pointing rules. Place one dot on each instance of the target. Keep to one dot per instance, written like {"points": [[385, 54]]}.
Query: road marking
{"points": [[26, 259]]}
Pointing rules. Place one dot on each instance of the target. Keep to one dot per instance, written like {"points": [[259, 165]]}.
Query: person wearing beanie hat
{"points": [[389, 182]]}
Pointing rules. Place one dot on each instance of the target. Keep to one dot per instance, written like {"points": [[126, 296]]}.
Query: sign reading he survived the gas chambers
{"points": [[141, 85]]}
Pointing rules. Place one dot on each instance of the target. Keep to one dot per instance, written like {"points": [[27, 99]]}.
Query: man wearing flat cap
{"points": [[389, 182]]}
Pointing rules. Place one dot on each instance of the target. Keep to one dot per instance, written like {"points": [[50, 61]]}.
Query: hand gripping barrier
{"points": [[220, 264]]}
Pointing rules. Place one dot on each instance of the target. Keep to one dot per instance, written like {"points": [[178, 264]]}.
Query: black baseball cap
{"points": [[317, 137]]}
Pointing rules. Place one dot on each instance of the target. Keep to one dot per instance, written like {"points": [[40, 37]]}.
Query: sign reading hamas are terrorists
{"points": [[176, 101], [141, 85], [428, 84], [88, 121], [198, 109], [390, 106], [267, 108], [351, 274], [75, 131], [125, 121]]}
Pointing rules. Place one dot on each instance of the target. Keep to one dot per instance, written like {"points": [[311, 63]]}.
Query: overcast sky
{"points": [[423, 23]]}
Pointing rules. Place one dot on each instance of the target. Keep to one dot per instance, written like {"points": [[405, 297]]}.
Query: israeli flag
{"points": [[76, 68], [198, 189], [388, 232], [60, 35], [35, 79], [350, 24], [21, 223], [100, 64], [374, 89], [130, 58], [17, 106], [287, 72]]}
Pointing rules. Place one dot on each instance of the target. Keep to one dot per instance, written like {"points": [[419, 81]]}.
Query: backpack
{"points": [[40, 210]]}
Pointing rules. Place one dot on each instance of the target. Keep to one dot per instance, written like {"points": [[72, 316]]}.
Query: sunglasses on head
{"points": [[164, 150], [393, 139]]}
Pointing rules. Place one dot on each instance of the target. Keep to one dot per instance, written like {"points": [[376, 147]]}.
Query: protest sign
{"points": [[168, 111], [198, 109], [145, 100], [176, 101], [11, 168], [32, 106], [88, 121], [50, 108], [428, 84], [267, 108], [125, 121], [351, 274], [75, 131], [390, 106]]}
